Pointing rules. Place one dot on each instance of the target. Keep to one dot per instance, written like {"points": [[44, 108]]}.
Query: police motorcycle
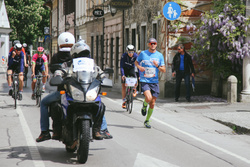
{"points": [[80, 103]]}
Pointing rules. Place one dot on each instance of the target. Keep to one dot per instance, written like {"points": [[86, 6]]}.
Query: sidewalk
{"points": [[235, 115]]}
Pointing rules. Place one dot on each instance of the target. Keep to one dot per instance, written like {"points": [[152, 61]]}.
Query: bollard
{"points": [[232, 89]]}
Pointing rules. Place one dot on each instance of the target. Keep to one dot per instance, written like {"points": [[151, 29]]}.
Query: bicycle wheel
{"points": [[15, 95], [38, 100], [130, 106], [127, 98]]}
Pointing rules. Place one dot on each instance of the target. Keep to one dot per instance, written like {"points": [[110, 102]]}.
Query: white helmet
{"points": [[130, 48], [24, 45], [66, 39], [18, 46], [80, 49]]}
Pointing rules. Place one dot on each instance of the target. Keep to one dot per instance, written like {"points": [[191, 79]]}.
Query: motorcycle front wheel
{"points": [[83, 141]]}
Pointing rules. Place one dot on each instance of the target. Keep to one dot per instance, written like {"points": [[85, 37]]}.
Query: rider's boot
{"points": [[45, 135]]}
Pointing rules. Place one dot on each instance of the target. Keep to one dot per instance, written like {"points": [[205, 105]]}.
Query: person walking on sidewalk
{"points": [[182, 67], [127, 69], [150, 62]]}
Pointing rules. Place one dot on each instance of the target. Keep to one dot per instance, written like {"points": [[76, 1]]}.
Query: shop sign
{"points": [[121, 4], [98, 12]]}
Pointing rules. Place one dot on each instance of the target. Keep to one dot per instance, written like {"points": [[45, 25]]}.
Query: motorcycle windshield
{"points": [[84, 70]]}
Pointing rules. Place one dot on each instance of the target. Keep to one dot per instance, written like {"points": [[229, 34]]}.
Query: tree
{"points": [[220, 39], [27, 19]]}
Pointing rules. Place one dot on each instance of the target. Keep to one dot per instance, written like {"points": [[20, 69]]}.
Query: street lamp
{"points": [[112, 10]]}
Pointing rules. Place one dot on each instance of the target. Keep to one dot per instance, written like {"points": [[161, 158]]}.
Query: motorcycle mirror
{"points": [[107, 83], [56, 81]]}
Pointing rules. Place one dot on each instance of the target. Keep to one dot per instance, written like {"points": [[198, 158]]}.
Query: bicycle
{"points": [[38, 93], [15, 85], [130, 84]]}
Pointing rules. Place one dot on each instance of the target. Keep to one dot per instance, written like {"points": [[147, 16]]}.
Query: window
{"points": [[69, 7], [117, 58], [111, 52], [102, 51], [154, 31], [126, 37], [143, 37], [134, 37], [97, 50], [92, 46]]}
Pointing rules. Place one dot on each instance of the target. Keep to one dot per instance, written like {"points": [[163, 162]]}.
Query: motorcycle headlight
{"points": [[76, 93], [92, 94]]}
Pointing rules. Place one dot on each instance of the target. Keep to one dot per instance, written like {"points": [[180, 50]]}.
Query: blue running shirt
{"points": [[145, 59]]}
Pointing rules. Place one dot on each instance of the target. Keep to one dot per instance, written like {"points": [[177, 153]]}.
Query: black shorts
{"points": [[128, 73], [15, 69]]}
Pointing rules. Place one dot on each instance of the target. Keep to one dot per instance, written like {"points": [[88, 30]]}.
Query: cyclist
{"points": [[39, 64], [23, 50], [150, 62], [16, 64], [28, 60], [127, 69]]}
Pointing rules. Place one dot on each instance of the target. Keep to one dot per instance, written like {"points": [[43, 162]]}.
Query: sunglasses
{"points": [[130, 51], [153, 43], [178, 49], [40, 53], [18, 49]]}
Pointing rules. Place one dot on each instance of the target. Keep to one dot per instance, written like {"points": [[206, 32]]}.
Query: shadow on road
{"points": [[56, 155]]}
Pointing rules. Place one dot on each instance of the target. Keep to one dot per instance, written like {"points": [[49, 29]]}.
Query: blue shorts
{"points": [[153, 87], [39, 69]]}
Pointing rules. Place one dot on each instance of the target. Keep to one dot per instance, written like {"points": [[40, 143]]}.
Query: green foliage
{"points": [[27, 19]]}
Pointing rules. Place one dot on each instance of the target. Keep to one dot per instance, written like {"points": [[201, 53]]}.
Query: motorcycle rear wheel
{"points": [[83, 141]]}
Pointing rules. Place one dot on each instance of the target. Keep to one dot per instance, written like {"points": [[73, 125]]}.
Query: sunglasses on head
{"points": [[153, 43], [40, 53], [130, 51]]}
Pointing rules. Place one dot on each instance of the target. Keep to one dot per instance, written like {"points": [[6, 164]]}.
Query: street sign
{"points": [[121, 4], [46, 30], [98, 12], [172, 11]]}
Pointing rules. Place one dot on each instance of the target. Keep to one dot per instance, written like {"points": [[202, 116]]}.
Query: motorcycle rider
{"points": [[81, 49], [65, 42]]}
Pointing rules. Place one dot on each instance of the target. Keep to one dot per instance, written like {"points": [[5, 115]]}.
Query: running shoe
{"points": [[33, 96], [144, 110], [147, 125], [20, 96]]}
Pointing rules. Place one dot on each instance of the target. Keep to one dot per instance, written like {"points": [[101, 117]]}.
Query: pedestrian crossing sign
{"points": [[172, 11]]}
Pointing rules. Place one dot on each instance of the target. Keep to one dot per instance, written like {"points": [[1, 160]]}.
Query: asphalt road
{"points": [[181, 139]]}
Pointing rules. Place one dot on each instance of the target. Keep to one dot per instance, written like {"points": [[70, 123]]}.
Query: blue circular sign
{"points": [[172, 11]]}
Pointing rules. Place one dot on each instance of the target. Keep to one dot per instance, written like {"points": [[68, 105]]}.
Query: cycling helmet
{"points": [[15, 42], [25, 45], [66, 39], [130, 48], [40, 49], [18, 46], [80, 49]]}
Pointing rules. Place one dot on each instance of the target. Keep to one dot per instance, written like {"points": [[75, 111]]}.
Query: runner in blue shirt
{"points": [[150, 62], [127, 65]]}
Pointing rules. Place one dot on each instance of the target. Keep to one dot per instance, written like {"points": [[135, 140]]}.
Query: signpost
{"points": [[172, 11]]}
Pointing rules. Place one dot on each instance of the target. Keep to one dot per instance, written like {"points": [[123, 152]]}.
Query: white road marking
{"points": [[35, 155], [148, 161], [203, 141], [198, 139]]}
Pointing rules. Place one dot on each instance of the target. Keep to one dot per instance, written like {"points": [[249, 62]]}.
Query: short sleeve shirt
{"points": [[145, 59], [39, 61]]}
